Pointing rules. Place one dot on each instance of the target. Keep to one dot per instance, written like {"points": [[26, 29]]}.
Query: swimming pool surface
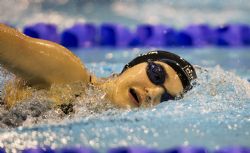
{"points": [[214, 114]]}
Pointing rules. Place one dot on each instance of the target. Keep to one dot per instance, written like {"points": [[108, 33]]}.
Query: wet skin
{"points": [[39, 62], [42, 63], [145, 92]]}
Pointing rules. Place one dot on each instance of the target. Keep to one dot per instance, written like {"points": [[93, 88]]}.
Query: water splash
{"points": [[56, 105], [214, 113]]}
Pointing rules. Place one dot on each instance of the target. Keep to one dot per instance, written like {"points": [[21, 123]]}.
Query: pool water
{"points": [[213, 114]]}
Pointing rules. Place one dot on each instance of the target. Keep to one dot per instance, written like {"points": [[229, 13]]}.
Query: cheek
{"points": [[121, 96], [139, 81], [122, 86], [130, 80], [120, 91]]}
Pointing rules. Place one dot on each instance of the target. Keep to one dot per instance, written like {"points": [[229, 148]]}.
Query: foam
{"points": [[212, 113]]}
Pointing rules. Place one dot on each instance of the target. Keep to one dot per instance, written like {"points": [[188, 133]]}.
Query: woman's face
{"points": [[133, 88]]}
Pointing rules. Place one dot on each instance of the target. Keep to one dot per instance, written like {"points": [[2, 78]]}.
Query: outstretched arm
{"points": [[39, 62]]}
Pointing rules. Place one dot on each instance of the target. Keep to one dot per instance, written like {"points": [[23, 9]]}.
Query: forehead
{"points": [[172, 83]]}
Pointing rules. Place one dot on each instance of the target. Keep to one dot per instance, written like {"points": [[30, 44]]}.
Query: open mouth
{"points": [[134, 95]]}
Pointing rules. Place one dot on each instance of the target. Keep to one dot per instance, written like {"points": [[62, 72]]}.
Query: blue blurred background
{"points": [[85, 23], [64, 13], [215, 114]]}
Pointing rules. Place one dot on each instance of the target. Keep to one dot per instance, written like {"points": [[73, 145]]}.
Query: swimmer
{"points": [[147, 80]]}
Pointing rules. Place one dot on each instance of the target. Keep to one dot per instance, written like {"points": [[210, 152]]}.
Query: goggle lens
{"points": [[157, 76]]}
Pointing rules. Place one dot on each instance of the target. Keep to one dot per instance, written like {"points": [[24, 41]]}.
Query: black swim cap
{"points": [[184, 69]]}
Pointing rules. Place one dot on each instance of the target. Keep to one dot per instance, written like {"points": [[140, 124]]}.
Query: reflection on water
{"points": [[213, 114], [64, 13]]}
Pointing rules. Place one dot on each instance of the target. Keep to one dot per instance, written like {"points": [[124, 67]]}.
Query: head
{"points": [[152, 78]]}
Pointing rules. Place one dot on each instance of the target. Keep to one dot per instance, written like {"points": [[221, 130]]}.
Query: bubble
{"points": [[217, 106]]}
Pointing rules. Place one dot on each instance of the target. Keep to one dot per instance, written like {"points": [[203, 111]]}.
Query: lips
{"points": [[134, 96]]}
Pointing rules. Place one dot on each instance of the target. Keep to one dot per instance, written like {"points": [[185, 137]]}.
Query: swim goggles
{"points": [[157, 75], [184, 69]]}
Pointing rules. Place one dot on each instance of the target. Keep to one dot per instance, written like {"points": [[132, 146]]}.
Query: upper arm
{"points": [[39, 61]]}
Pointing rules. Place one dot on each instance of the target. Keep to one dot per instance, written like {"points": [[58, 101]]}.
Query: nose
{"points": [[154, 92]]}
